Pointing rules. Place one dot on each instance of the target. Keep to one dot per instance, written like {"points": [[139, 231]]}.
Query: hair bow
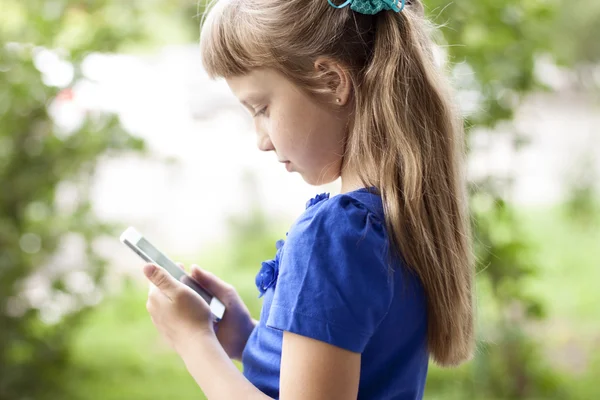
{"points": [[371, 7]]}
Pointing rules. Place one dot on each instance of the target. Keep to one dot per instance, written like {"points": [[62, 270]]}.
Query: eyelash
{"points": [[262, 111]]}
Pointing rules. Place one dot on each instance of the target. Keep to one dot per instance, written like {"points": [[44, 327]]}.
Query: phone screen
{"points": [[160, 258], [151, 254]]}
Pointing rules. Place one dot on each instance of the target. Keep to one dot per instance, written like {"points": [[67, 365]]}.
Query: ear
{"points": [[336, 78]]}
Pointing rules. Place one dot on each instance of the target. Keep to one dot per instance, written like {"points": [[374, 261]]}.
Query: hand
{"points": [[237, 324], [180, 314]]}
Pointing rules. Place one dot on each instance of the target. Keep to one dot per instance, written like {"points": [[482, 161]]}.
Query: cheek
{"points": [[283, 131], [308, 134], [326, 136]]}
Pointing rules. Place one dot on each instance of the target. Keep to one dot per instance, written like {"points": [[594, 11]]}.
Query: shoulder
{"points": [[350, 215], [334, 283]]}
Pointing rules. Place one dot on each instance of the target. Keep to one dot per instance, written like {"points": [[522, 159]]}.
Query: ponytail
{"points": [[411, 138]]}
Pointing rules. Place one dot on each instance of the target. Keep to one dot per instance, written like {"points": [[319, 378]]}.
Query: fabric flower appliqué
{"points": [[269, 271], [317, 199]]}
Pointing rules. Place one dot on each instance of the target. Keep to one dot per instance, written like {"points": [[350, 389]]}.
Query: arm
{"points": [[310, 369], [184, 319], [237, 324], [214, 372], [253, 326]]}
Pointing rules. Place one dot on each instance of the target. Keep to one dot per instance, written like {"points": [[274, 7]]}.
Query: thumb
{"points": [[216, 286], [161, 279]]}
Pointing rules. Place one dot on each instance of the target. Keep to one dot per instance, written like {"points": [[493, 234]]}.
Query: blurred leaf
{"points": [[38, 309]]}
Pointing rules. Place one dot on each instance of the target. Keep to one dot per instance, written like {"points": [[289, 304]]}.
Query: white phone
{"points": [[143, 248]]}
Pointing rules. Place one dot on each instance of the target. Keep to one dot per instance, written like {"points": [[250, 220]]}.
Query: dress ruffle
{"points": [[269, 271]]}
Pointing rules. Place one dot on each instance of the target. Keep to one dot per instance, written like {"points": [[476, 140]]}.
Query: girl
{"points": [[371, 283]]}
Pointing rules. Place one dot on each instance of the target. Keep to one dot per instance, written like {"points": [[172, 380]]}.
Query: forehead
{"points": [[258, 82]]}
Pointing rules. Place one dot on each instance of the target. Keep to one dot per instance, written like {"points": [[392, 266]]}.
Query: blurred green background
{"points": [[77, 328]]}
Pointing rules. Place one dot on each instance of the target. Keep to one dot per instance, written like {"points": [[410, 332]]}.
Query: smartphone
{"points": [[143, 248]]}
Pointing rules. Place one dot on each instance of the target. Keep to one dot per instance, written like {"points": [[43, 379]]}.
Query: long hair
{"points": [[405, 136]]}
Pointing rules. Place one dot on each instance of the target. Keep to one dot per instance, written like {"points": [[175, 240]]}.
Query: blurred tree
{"points": [[492, 50], [575, 32], [41, 300], [582, 206]]}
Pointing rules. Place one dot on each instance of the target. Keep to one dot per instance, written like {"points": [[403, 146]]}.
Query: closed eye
{"points": [[262, 111]]}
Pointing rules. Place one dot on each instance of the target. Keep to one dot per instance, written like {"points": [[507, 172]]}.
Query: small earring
{"points": [[338, 100]]}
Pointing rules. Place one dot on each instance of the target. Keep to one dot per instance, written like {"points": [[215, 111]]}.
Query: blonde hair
{"points": [[405, 137]]}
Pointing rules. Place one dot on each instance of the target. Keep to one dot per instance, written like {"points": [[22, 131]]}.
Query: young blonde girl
{"points": [[369, 284]]}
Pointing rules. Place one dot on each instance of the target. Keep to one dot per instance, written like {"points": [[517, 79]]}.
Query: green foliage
{"points": [[37, 160], [492, 48], [582, 204], [512, 362], [118, 354], [575, 32], [499, 41]]}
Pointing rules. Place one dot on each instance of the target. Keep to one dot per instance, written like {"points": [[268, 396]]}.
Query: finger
{"points": [[156, 300], [182, 266], [162, 280], [154, 292], [211, 282]]}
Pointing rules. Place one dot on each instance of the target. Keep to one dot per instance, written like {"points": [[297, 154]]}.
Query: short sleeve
{"points": [[334, 284]]}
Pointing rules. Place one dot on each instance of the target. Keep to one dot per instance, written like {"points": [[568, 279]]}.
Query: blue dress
{"points": [[332, 280]]}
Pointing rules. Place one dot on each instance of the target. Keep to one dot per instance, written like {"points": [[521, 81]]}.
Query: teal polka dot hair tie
{"points": [[371, 7]]}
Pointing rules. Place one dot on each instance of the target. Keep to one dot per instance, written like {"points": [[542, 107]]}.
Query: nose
{"points": [[264, 143]]}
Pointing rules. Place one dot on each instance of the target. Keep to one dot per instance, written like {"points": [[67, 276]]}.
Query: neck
{"points": [[350, 181]]}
